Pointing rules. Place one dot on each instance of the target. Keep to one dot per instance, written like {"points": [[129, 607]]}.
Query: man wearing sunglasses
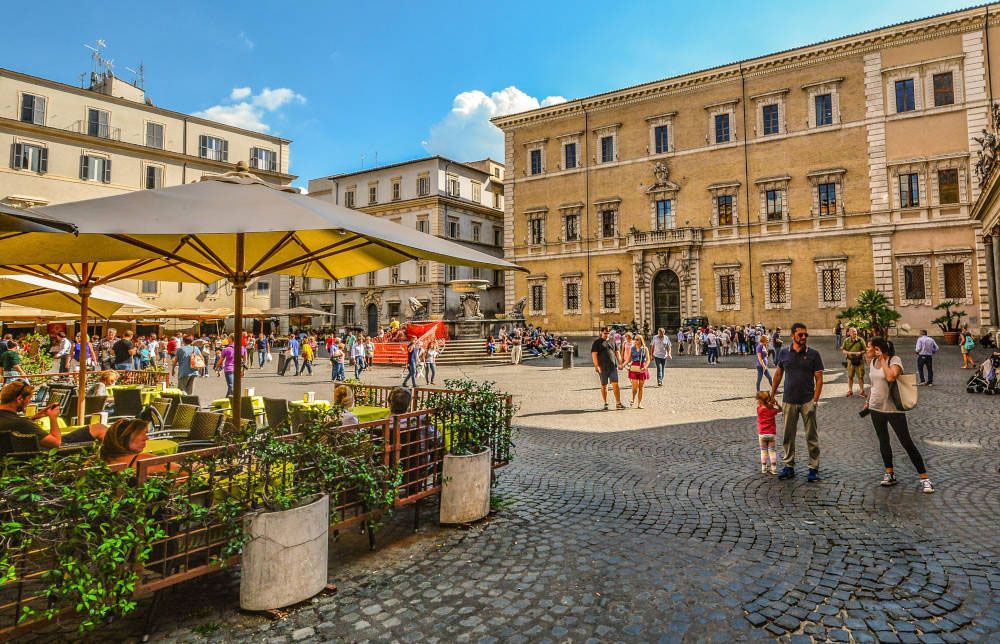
{"points": [[803, 387], [14, 397]]}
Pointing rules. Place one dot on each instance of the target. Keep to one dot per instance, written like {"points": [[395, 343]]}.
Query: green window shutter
{"points": [[84, 166], [43, 160], [107, 171], [17, 156]]}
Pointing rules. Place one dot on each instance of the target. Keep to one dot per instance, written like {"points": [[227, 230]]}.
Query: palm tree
{"points": [[872, 315]]}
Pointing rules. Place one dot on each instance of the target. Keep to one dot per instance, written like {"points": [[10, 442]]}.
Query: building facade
{"points": [[461, 202], [772, 190], [987, 212], [68, 143]]}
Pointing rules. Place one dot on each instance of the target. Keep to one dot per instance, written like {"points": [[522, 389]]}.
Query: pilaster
{"points": [[977, 115], [509, 295], [882, 264], [987, 280], [875, 113]]}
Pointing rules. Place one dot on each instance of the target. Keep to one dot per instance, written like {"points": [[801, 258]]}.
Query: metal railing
{"points": [[100, 130]]}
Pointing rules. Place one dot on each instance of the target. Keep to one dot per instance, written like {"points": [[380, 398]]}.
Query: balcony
{"points": [[100, 130], [656, 238]]}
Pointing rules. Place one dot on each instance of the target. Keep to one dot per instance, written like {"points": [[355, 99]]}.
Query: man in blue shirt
{"points": [[186, 372], [926, 348], [293, 352], [804, 367]]}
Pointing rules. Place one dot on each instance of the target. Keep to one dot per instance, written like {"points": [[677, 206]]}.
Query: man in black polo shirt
{"points": [[803, 387], [14, 397], [606, 365]]}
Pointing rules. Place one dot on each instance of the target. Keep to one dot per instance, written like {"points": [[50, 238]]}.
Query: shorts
{"points": [[610, 375], [856, 370], [766, 440]]}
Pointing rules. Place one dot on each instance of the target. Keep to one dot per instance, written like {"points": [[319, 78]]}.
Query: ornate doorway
{"points": [[666, 301], [372, 319]]}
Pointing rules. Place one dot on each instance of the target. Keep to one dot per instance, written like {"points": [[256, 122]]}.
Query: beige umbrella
{"points": [[13, 312], [237, 227], [14, 222], [38, 292], [297, 310]]}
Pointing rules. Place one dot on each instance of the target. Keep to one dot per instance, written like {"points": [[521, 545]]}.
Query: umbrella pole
{"points": [[239, 285], [81, 392]]}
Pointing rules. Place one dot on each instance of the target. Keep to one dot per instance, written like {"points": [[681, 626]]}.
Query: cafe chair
{"points": [[92, 405], [191, 400], [23, 442], [128, 403], [248, 412], [276, 412]]}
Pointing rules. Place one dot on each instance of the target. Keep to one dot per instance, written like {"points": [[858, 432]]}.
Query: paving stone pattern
{"points": [[670, 533]]}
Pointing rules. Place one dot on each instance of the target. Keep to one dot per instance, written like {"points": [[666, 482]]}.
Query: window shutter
{"points": [[254, 161], [39, 111], [107, 171], [84, 166], [202, 146], [17, 156], [43, 160], [225, 150]]}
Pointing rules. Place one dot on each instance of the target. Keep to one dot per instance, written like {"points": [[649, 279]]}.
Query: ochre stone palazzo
{"points": [[773, 190]]}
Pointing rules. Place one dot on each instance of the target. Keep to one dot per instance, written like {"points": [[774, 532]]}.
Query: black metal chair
{"points": [[175, 400], [23, 442], [91, 405], [247, 411], [276, 411], [128, 403]]}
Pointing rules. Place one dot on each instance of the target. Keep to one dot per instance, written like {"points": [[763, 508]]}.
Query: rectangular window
{"points": [[572, 223], [452, 273], [609, 293], [154, 136], [769, 114], [395, 191], [372, 195], [154, 177], [33, 109], [913, 282], [776, 284], [824, 109], [394, 275], [832, 287], [393, 310], [608, 228], [905, 101], [722, 128], [537, 297], [97, 123], [827, 198], [948, 186], [349, 198], [477, 231], [95, 168], [497, 278], [373, 278], [423, 186], [212, 147], [661, 138], [773, 205], [423, 225], [909, 190], [569, 154], [477, 272], [348, 314], [727, 290], [536, 162], [497, 203], [263, 288], [477, 191], [422, 272], [498, 236], [536, 231], [573, 297], [664, 214], [150, 287], [262, 159], [30, 157], [724, 204], [454, 229], [607, 149], [944, 90], [954, 281], [454, 187], [349, 282]]}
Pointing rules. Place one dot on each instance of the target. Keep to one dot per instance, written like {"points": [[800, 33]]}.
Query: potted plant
{"points": [[950, 322], [872, 315], [475, 422]]}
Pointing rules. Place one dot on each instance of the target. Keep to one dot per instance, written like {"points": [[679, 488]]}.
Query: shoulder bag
{"points": [[903, 391], [197, 361]]}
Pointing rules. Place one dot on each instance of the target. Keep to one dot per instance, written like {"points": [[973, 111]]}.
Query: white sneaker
{"points": [[774, 469], [763, 468], [888, 479], [926, 486]]}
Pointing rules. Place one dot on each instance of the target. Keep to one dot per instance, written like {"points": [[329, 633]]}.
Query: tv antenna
{"points": [[140, 76], [100, 66]]}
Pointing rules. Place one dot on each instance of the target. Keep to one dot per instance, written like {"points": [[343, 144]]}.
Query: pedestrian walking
{"points": [[515, 347], [337, 362], [62, 351], [124, 352], [307, 354], [412, 357], [838, 335], [712, 342], [854, 350], [227, 361], [680, 341], [661, 352], [188, 363], [925, 350], [358, 356], [968, 343], [760, 353], [767, 409], [431, 362], [638, 369], [886, 367], [605, 357], [294, 350], [803, 388]]}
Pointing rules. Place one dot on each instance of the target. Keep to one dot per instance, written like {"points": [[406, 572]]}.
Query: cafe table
{"points": [[161, 446], [367, 413], [315, 404]]}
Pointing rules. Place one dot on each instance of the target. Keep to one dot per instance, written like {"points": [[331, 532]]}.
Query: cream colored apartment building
{"points": [[69, 143], [462, 202], [773, 190]]}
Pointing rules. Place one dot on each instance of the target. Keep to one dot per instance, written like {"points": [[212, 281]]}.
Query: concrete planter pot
{"points": [[465, 493], [952, 337], [285, 556]]}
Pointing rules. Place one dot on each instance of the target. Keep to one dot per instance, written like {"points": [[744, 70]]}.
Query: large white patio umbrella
{"points": [[14, 222], [237, 227]]}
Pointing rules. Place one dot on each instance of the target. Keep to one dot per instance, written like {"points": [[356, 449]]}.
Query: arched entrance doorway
{"points": [[372, 319], [666, 301]]}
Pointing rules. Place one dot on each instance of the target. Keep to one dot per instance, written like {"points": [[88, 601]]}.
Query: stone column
{"points": [[991, 279], [994, 283]]}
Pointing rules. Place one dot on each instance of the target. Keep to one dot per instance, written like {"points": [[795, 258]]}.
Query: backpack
{"points": [[197, 361], [970, 343]]}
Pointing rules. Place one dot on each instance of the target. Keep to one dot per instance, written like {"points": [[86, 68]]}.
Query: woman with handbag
{"points": [[886, 405], [638, 368]]}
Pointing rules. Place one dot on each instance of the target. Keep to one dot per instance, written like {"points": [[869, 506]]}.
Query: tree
{"points": [[872, 315], [951, 321]]}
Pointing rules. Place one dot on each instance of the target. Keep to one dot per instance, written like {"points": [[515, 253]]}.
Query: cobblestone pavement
{"points": [[656, 525]]}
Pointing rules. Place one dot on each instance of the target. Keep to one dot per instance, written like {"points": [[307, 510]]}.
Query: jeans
{"points": [[430, 372], [337, 372], [713, 355], [792, 412], [261, 358], [124, 366], [881, 422], [308, 365], [186, 383], [229, 383], [411, 374], [359, 368], [762, 372], [928, 362], [290, 360], [838, 341], [661, 365]]}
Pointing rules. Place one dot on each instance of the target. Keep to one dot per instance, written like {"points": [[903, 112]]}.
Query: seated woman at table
{"points": [[343, 397], [125, 442], [105, 379]]}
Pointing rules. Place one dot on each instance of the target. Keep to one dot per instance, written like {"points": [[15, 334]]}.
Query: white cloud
{"points": [[466, 133], [246, 41], [249, 110]]}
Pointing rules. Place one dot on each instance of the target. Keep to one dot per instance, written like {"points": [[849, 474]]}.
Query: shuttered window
{"points": [[25, 156], [93, 168], [210, 147]]}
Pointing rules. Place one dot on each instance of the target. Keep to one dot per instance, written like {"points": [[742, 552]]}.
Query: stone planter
{"points": [[952, 337], [465, 493], [285, 556]]}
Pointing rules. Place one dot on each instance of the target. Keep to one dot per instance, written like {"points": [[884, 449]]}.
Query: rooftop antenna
{"points": [[101, 67], [362, 161], [140, 76], [376, 159]]}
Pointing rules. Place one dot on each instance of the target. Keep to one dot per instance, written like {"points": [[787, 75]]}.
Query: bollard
{"points": [[567, 358]]}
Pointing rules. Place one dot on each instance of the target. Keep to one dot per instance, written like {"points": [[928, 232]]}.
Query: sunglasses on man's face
{"points": [[801, 335]]}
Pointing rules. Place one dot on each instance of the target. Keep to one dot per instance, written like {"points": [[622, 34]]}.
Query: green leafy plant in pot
{"points": [[950, 322], [871, 315]]}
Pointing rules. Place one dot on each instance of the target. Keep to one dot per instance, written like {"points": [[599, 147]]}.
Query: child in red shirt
{"points": [[766, 411]]}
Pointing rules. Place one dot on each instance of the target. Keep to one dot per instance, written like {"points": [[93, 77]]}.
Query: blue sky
{"points": [[406, 79]]}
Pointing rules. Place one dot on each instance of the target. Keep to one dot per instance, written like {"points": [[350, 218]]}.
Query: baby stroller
{"points": [[984, 379]]}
